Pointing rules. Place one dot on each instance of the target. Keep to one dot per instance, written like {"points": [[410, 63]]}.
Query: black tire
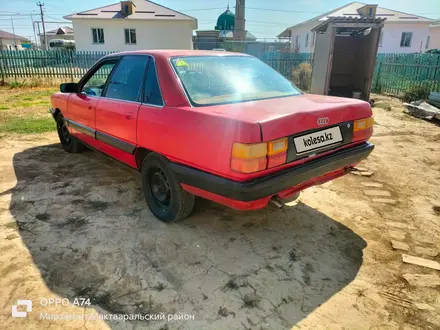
{"points": [[69, 142], [163, 193]]}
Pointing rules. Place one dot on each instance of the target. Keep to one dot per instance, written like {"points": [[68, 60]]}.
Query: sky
{"points": [[264, 18]]}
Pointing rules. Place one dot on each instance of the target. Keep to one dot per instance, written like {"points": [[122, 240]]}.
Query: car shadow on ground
{"points": [[90, 233]]}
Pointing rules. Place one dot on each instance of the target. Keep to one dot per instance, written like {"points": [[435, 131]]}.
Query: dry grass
{"points": [[25, 110]]}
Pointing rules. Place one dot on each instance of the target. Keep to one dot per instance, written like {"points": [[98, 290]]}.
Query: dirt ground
{"points": [[76, 225]]}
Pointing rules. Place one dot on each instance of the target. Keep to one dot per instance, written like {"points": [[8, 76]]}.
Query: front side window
{"points": [[405, 41], [98, 36], [95, 84], [152, 94], [230, 79], [126, 81], [130, 36]]}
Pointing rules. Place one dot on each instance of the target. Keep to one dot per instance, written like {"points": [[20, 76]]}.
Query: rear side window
{"points": [[126, 81], [152, 94]]}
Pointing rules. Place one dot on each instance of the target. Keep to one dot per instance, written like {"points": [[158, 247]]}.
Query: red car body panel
{"points": [[202, 137]]}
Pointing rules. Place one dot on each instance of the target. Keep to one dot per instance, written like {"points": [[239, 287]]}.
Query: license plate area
{"points": [[318, 140]]}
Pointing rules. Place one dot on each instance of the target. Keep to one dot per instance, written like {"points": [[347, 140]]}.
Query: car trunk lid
{"points": [[286, 116]]}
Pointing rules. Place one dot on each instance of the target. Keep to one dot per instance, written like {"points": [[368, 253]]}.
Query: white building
{"points": [[9, 41], [402, 33], [132, 25], [434, 32]]}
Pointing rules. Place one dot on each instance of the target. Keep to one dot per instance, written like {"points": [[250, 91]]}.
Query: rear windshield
{"points": [[212, 80]]}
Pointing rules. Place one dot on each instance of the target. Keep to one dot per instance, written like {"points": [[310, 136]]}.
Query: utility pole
{"points": [[39, 4], [33, 27], [13, 32]]}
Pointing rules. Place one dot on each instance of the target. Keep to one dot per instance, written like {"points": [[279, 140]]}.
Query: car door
{"points": [[116, 111], [152, 118], [81, 106]]}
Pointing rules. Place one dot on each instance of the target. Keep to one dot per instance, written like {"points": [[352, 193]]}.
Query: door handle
{"points": [[90, 108]]}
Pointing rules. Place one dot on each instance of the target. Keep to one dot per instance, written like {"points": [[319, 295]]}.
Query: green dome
{"points": [[226, 21]]}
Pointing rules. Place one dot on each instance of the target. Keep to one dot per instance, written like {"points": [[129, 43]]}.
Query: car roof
{"points": [[167, 53]]}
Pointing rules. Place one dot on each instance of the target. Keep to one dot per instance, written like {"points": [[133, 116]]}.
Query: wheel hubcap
{"points": [[64, 132], [160, 188]]}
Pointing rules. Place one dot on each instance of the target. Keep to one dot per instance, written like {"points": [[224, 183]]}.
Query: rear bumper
{"points": [[272, 184]]}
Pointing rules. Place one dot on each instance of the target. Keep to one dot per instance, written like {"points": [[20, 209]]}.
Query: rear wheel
{"points": [[69, 142], [163, 193]]}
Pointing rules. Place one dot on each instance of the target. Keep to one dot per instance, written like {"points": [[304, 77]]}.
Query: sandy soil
{"points": [[77, 226]]}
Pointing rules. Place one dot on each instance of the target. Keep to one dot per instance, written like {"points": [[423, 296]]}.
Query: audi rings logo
{"points": [[322, 121]]}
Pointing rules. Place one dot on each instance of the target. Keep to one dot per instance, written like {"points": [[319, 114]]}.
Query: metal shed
{"points": [[345, 56]]}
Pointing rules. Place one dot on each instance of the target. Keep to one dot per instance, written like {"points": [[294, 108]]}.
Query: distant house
{"points": [[434, 33], [9, 41], [64, 33], [131, 25], [402, 32]]}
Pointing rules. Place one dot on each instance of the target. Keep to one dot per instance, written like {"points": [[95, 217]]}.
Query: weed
{"points": [[97, 205], [383, 105], [11, 225], [302, 76], [416, 93], [231, 284], [160, 286], [17, 84], [269, 268], [292, 255], [250, 301], [222, 311]]}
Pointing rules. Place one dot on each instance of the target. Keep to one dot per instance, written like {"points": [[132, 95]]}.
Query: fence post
{"points": [[1, 69], [71, 64], [377, 76]]}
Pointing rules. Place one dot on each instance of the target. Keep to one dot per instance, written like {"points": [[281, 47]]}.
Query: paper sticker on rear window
{"points": [[181, 62]]}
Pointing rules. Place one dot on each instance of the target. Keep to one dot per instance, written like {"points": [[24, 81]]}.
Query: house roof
{"points": [[7, 35], [344, 20], [351, 10], [59, 31], [145, 9]]}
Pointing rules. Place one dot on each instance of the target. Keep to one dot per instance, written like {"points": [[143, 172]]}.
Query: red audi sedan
{"points": [[219, 125]]}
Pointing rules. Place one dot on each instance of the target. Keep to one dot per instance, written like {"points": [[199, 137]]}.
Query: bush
{"points": [[17, 84], [416, 93], [302, 76]]}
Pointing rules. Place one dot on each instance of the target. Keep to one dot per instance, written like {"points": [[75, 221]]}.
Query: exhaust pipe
{"points": [[277, 201]]}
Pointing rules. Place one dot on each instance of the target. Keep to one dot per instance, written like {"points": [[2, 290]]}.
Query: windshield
{"points": [[226, 79]]}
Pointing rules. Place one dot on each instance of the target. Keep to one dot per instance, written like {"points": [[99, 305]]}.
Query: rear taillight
{"points": [[249, 158], [276, 152], [363, 129]]}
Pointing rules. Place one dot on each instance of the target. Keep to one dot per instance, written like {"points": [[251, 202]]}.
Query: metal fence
{"points": [[46, 64], [394, 73]]}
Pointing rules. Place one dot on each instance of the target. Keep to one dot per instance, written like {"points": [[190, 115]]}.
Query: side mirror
{"points": [[69, 88]]}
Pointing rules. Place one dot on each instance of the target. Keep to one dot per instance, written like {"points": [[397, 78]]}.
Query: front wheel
{"points": [[163, 193], [69, 142]]}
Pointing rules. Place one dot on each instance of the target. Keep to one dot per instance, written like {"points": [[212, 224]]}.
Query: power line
{"points": [[202, 9]]}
